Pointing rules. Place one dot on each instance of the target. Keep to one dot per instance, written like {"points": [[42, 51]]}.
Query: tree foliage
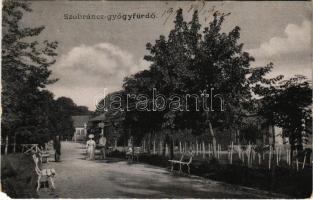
{"points": [[29, 111], [194, 60], [287, 105], [25, 73]]}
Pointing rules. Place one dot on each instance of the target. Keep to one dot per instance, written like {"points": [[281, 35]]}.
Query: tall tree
{"points": [[191, 63], [25, 70], [287, 105]]}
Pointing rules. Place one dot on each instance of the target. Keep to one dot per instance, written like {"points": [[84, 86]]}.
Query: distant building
{"points": [[108, 124], [80, 123]]}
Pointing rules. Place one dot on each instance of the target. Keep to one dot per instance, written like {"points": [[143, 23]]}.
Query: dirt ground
{"points": [[114, 178]]}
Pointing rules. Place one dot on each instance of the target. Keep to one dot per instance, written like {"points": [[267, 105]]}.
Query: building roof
{"points": [[80, 120], [101, 117]]}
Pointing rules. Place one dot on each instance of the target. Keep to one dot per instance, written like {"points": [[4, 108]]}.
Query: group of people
{"points": [[91, 146]]}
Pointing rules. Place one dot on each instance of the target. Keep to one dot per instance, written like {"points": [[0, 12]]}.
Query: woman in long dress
{"points": [[91, 145]]}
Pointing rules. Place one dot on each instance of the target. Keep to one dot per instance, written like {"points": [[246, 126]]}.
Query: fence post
{"points": [[249, 154], [269, 158], [210, 148], [243, 156], [14, 145], [287, 156], [203, 149], [277, 156], [160, 147], [304, 161], [153, 146], [231, 152], [6, 145], [180, 150]]}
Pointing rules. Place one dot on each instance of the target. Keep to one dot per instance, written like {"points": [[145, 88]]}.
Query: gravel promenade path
{"points": [[114, 178]]}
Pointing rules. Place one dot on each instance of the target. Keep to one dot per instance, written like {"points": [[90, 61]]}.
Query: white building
{"points": [[80, 123]]}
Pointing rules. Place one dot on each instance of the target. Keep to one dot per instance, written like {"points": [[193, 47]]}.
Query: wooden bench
{"points": [[181, 163], [131, 155], [44, 175], [29, 148], [44, 155]]}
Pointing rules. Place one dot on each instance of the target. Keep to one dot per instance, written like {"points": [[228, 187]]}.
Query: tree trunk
{"points": [[273, 135], [149, 143], [154, 146], [164, 148], [292, 148], [171, 148], [132, 141], [237, 138], [213, 138]]}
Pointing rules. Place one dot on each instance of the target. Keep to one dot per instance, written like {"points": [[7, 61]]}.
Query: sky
{"points": [[99, 53]]}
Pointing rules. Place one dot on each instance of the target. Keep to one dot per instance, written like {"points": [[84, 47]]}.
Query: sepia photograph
{"points": [[156, 99]]}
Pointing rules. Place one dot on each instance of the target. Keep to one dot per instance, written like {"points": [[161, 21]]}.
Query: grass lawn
{"points": [[18, 178]]}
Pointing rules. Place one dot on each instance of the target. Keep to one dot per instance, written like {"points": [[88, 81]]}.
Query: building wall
{"points": [[278, 135], [80, 134]]}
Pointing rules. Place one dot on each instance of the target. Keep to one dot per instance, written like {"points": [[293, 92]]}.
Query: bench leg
{"points": [[38, 182], [180, 170], [52, 182], [172, 168], [188, 169]]}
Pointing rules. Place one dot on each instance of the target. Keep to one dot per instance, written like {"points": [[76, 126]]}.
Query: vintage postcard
{"points": [[156, 99]]}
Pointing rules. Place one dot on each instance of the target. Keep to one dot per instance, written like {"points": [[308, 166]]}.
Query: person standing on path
{"points": [[57, 148], [102, 143], [91, 145]]}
